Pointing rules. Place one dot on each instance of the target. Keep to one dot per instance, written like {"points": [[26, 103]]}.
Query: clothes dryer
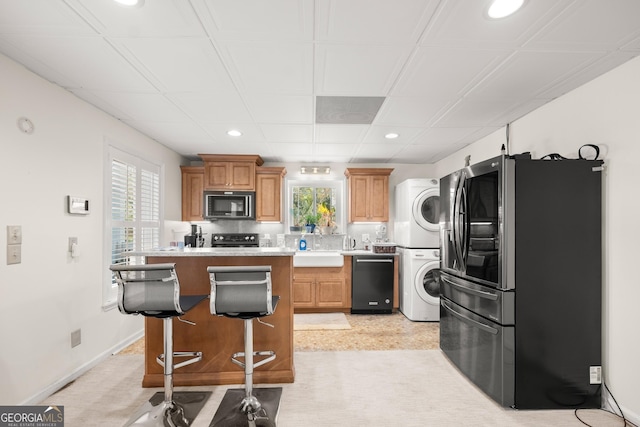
{"points": [[419, 293], [417, 213]]}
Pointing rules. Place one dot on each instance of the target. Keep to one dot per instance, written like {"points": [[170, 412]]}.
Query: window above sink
{"points": [[324, 198]]}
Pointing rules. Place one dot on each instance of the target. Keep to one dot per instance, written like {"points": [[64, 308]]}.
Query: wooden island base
{"points": [[219, 337]]}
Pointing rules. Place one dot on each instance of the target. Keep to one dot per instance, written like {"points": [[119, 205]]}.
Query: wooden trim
{"points": [[232, 158]]}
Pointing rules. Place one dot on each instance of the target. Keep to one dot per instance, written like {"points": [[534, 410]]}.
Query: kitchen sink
{"points": [[318, 259]]}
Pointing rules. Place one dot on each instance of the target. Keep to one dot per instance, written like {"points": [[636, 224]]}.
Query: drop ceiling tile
{"points": [[180, 64], [40, 17], [287, 133], [580, 77], [376, 134], [378, 152], [444, 73], [528, 73], [88, 62], [100, 103], [476, 112], [373, 20], [283, 68], [212, 107], [186, 137], [143, 106], [333, 150], [257, 19], [240, 148], [442, 135], [360, 70], [250, 133], [465, 24], [591, 25], [288, 150], [155, 18], [340, 133], [281, 109], [424, 154], [409, 111]]}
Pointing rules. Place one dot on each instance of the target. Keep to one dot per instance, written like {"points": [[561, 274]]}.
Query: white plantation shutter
{"points": [[135, 214]]}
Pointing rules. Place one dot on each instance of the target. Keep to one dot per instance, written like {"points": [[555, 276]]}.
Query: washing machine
{"points": [[419, 293], [417, 213]]}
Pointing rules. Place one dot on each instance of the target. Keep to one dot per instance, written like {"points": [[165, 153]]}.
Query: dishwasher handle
{"points": [[374, 260]]}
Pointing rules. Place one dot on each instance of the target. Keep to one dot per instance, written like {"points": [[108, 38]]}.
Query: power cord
{"points": [[621, 416], [556, 156]]}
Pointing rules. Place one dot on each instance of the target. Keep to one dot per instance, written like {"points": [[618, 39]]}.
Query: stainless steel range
{"points": [[234, 240]]}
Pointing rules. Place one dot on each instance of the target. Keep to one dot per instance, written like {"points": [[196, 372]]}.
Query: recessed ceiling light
{"points": [[234, 132], [503, 8], [391, 135], [130, 3]]}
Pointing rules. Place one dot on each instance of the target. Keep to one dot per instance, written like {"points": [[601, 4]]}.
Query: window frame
{"points": [[113, 152], [337, 184]]}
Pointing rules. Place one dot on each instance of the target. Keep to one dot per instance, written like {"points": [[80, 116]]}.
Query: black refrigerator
{"points": [[521, 283]]}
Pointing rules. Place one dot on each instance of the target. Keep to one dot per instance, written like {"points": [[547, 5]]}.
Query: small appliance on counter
{"points": [[195, 239]]}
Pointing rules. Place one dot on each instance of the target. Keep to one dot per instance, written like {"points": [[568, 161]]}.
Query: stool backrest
{"points": [[150, 289], [241, 291]]}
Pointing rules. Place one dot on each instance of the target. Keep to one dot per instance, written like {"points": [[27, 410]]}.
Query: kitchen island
{"points": [[219, 337]]}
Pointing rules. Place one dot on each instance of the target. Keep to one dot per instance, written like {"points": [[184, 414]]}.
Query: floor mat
{"points": [[319, 321]]}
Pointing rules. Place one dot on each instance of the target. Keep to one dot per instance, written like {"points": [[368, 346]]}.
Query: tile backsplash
{"points": [[268, 233]]}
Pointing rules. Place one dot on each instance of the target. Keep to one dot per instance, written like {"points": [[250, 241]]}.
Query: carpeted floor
{"points": [[345, 388]]}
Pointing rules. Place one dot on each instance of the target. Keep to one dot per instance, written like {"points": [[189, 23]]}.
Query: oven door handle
{"points": [[474, 323], [481, 294]]}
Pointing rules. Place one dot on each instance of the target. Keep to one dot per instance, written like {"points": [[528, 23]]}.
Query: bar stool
{"points": [[244, 292], [153, 290]]}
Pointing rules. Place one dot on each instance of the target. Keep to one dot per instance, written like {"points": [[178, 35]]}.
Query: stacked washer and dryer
{"points": [[416, 234]]}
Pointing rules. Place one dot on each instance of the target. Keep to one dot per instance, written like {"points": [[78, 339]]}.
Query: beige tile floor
{"points": [[368, 332]]}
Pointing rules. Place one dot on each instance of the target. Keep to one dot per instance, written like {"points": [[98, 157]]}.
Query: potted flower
{"points": [[327, 216], [311, 220]]}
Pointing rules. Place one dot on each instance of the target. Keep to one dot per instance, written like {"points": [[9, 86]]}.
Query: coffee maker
{"points": [[195, 239]]}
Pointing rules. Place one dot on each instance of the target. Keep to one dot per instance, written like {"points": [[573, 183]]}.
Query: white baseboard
{"points": [[52, 388]]}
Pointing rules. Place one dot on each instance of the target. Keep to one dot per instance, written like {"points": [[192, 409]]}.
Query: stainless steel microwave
{"points": [[229, 205]]}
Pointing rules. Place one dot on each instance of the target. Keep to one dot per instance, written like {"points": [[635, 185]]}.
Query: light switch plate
{"points": [[14, 254], [14, 234]]}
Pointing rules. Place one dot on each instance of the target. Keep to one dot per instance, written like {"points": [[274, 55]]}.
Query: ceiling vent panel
{"points": [[347, 110]]}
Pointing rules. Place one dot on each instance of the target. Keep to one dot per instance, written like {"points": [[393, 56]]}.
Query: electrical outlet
{"points": [[14, 254], [76, 338], [365, 237], [14, 234]]}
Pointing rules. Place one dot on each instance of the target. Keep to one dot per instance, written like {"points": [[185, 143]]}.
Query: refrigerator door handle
{"points": [[481, 294], [457, 222], [474, 323]]}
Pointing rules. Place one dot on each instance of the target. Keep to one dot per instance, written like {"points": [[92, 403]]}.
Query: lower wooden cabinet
{"points": [[317, 289]]}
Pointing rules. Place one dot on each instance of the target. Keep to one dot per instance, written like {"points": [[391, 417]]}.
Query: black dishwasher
{"points": [[372, 284]]}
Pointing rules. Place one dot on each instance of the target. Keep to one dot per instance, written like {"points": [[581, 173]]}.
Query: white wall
{"points": [[50, 294], [602, 112]]}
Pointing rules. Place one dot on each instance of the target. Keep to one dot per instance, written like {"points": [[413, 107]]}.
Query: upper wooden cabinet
{"points": [[269, 193], [230, 172], [192, 192], [368, 194]]}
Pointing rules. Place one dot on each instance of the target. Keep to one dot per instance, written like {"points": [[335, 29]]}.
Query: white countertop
{"points": [[173, 251]]}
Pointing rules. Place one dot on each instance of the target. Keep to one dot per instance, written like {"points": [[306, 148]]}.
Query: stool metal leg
{"points": [[168, 412]]}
